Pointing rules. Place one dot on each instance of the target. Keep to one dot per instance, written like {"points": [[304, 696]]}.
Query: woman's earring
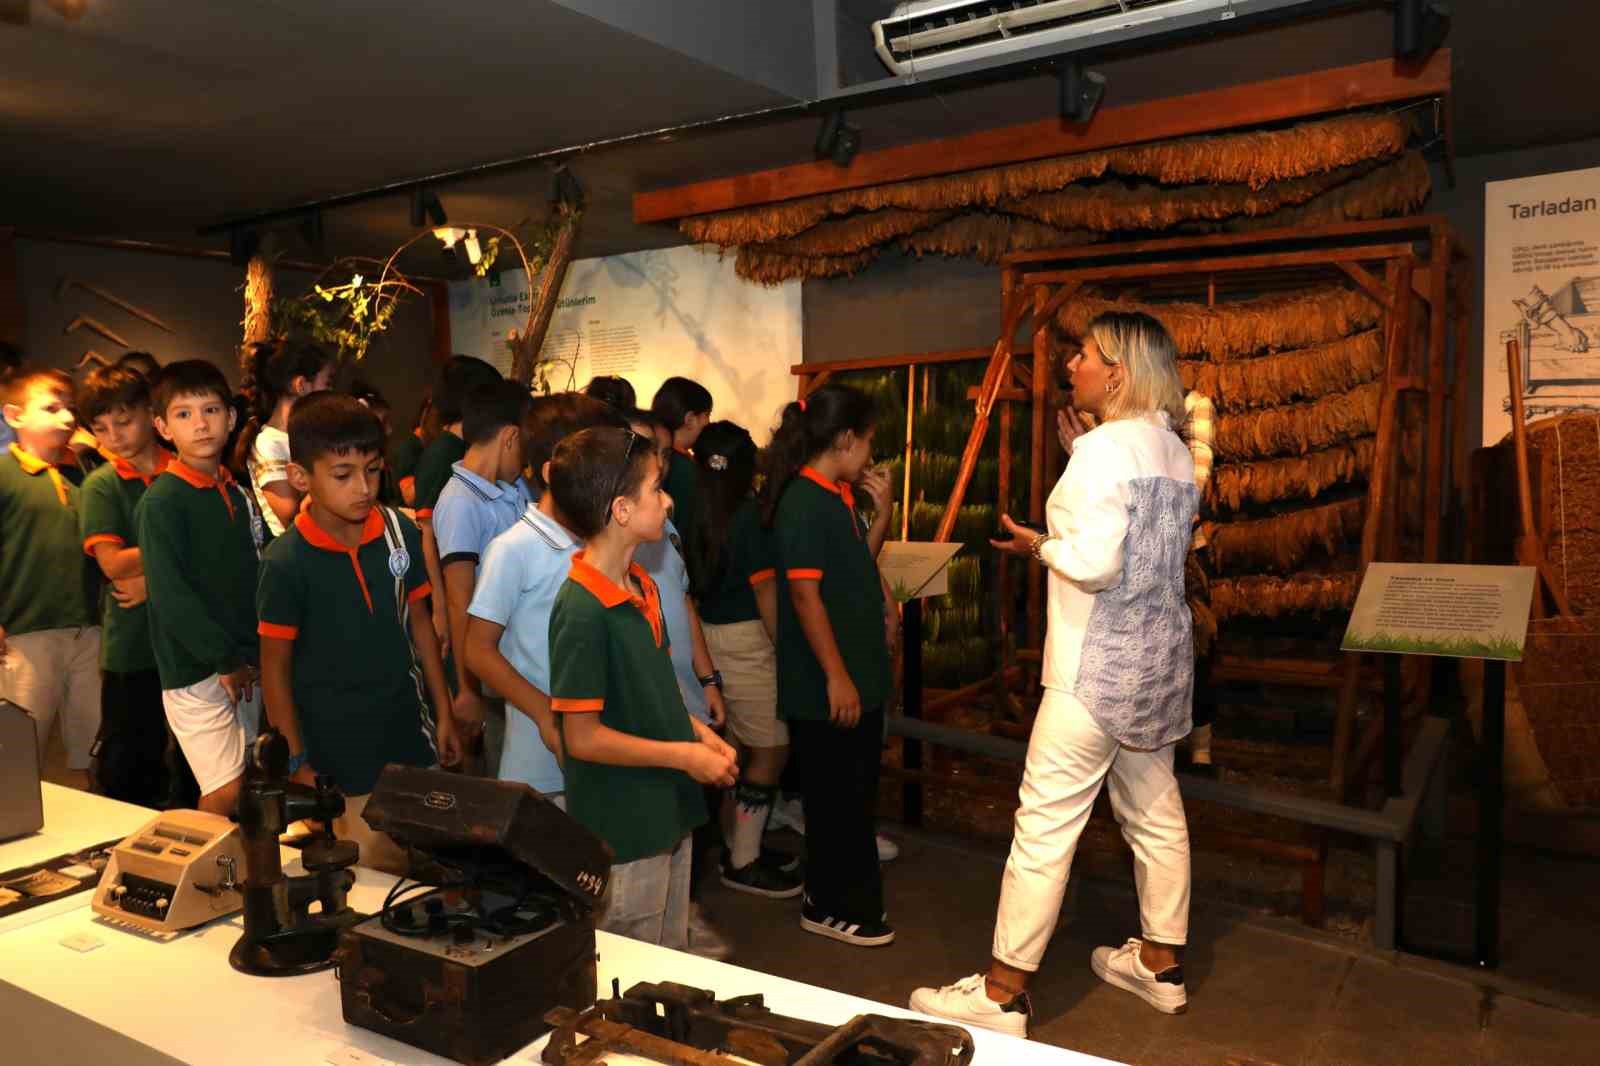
{"points": [[1111, 386]]}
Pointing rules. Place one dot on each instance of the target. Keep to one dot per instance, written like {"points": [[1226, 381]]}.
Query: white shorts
{"points": [[212, 731]]}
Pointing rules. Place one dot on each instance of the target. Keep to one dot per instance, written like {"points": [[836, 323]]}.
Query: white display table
{"points": [[72, 820], [181, 997]]}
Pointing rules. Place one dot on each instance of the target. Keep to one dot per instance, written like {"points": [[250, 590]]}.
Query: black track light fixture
{"points": [[837, 139], [1420, 27], [1081, 91], [426, 210], [566, 189], [243, 244]]}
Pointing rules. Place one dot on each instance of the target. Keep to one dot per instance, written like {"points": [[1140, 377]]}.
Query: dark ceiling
{"points": [[135, 121]]}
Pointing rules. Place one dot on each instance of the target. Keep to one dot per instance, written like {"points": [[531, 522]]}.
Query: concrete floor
{"points": [[1261, 991]]}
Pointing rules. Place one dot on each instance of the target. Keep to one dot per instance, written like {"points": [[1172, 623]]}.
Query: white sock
{"points": [[752, 804]]}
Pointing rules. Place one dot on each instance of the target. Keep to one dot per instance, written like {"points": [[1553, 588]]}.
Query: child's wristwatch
{"points": [[713, 678], [295, 762]]}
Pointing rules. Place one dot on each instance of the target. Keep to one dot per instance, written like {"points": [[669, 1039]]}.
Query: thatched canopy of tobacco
{"points": [[1350, 167]]}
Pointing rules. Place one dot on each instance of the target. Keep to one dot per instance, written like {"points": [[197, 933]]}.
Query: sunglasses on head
{"points": [[622, 475]]}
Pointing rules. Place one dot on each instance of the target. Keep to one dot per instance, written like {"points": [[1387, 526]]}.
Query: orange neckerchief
{"points": [[318, 537], [195, 478], [32, 464], [128, 472], [610, 594]]}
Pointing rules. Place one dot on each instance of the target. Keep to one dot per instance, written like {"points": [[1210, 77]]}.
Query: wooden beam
{"points": [[958, 355], [1417, 225], [1223, 264], [1371, 285], [1257, 103]]}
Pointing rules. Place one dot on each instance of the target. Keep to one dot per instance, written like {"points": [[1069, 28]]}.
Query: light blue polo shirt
{"points": [[7, 435], [471, 512], [663, 561], [518, 578]]}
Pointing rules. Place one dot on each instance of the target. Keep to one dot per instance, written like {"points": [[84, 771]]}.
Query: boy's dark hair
{"points": [[459, 375], [645, 417], [187, 377], [107, 388], [809, 428], [329, 423], [591, 468], [488, 409], [15, 387], [10, 360], [618, 392], [551, 419], [677, 399], [369, 396], [727, 459], [269, 373], [142, 363]]}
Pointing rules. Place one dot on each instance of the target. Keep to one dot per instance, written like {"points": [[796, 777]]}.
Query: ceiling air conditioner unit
{"points": [[923, 35]]}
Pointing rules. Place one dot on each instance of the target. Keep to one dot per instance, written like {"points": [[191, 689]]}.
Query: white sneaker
{"points": [[1121, 968], [888, 850], [788, 814], [967, 1002], [704, 938]]}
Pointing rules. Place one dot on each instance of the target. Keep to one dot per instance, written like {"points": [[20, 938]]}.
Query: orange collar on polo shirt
{"points": [[220, 482], [838, 488], [128, 472], [610, 594], [318, 537], [685, 452], [31, 464]]}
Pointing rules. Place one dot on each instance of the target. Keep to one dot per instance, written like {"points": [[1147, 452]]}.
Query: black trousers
{"points": [[132, 757], [838, 770]]}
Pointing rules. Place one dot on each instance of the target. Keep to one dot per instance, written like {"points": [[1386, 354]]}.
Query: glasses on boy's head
{"points": [[622, 475]]}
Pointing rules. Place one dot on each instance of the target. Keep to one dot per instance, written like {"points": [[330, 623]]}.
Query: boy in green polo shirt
{"points": [[347, 644], [49, 642], [200, 538], [131, 750], [633, 754]]}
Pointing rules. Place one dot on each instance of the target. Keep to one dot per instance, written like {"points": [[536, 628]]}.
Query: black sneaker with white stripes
{"points": [[862, 934]]}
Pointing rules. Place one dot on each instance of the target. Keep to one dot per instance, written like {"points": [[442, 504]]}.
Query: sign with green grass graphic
{"points": [[915, 568], [1462, 612]]}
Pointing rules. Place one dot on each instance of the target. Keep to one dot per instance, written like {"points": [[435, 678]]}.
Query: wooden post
{"points": [[1530, 549], [993, 379], [1397, 333], [1463, 336], [531, 342], [257, 301], [1040, 384], [1438, 298], [911, 418]]}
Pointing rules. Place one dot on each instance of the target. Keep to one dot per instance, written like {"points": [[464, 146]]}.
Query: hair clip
{"points": [[802, 406], [718, 462]]}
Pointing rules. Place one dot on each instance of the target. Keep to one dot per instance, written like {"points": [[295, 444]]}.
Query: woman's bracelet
{"points": [[1038, 546]]}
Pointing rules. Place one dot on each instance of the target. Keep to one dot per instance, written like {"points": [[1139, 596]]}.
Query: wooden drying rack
{"points": [[1412, 268]]}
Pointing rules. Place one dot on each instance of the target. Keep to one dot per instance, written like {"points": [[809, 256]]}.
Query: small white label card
{"points": [[1464, 612]]}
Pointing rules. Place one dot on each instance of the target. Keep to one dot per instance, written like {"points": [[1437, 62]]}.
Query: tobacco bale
{"points": [[1110, 206], [1283, 542], [1289, 376], [1242, 327], [773, 268], [856, 233], [1262, 596], [1253, 158], [1233, 485], [1559, 681], [1299, 428], [1398, 188], [1572, 504], [987, 236]]}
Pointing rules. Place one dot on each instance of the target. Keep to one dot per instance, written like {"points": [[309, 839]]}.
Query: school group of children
{"points": [[630, 610]]}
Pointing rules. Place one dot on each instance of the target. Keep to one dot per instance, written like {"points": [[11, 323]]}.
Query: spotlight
{"points": [[1420, 27], [837, 139], [474, 251], [425, 208], [1081, 91]]}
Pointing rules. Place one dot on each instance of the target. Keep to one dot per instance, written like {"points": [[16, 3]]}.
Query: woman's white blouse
{"points": [[1120, 637]]}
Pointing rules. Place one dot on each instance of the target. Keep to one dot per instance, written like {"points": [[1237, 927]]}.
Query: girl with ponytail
{"points": [[275, 377], [734, 587], [836, 627]]}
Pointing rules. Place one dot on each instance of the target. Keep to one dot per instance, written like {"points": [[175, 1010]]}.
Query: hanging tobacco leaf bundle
{"points": [[1243, 327], [1299, 428], [987, 236], [1283, 542], [1304, 374], [1233, 485], [1261, 596]]}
